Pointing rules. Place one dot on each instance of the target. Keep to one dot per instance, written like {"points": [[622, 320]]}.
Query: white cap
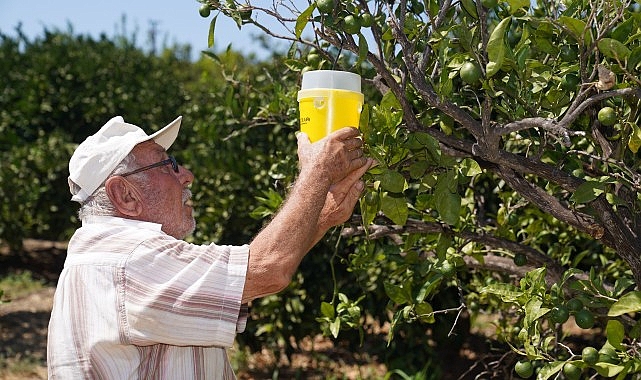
{"points": [[97, 156], [333, 79]]}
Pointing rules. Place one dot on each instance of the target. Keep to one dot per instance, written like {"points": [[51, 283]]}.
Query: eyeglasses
{"points": [[171, 160]]}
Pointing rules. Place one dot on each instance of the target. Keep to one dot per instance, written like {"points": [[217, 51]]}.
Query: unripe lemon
{"points": [[204, 10], [590, 355], [470, 73], [607, 116], [524, 369]]}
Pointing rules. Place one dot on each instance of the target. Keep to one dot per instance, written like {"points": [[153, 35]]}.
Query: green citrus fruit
{"points": [[520, 259], [607, 116], [514, 36], [325, 6], [570, 82], [204, 10], [590, 355], [571, 371], [574, 305], [371, 198], [366, 20], [313, 59], [559, 314], [470, 73], [417, 7], [351, 25], [584, 319], [568, 53], [489, 4], [447, 268], [524, 368]]}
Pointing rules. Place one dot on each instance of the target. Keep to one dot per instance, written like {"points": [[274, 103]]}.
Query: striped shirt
{"points": [[134, 303]]}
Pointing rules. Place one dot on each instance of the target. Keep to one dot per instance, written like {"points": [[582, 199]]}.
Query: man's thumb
{"points": [[303, 139]]}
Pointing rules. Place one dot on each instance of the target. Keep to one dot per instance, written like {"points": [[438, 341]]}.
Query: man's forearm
{"points": [[278, 249]]}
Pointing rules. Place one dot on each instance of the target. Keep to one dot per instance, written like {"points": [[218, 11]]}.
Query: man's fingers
{"points": [[363, 164], [347, 133]]}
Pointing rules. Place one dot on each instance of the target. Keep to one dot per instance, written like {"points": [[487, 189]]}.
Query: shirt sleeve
{"points": [[177, 293]]}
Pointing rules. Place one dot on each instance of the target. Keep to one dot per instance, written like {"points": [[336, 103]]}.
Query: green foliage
{"points": [[65, 88], [505, 184], [18, 284]]}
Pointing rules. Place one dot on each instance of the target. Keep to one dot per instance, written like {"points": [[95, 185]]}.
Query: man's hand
{"points": [[342, 197], [336, 155]]}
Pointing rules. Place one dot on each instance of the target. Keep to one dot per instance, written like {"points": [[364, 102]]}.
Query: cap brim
{"points": [[166, 136]]}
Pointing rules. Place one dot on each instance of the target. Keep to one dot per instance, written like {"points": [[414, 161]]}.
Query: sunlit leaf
{"points": [[397, 293], [588, 191], [615, 333], [496, 47], [635, 138], [327, 310], [578, 29], [393, 181], [303, 19], [212, 29], [629, 303], [395, 208], [612, 48]]}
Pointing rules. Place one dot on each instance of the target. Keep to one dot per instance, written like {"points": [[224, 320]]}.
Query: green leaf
{"points": [[607, 369], [395, 208], [470, 168], [396, 293], [363, 49], [516, 5], [418, 169], [588, 191], [335, 327], [615, 333], [635, 58], [507, 292], [389, 102], [629, 303], [534, 311], [368, 212], [432, 281], [470, 7], [327, 310], [612, 48], [578, 29], [393, 181], [550, 369], [210, 35], [496, 48], [444, 242], [303, 19], [425, 312], [448, 203]]}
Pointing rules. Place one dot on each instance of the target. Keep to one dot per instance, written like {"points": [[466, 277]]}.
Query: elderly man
{"points": [[134, 301]]}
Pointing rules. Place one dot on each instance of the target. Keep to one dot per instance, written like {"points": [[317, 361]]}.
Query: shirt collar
{"points": [[116, 221]]}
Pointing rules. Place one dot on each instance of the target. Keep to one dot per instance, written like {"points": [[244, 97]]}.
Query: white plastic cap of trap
{"points": [[331, 79]]}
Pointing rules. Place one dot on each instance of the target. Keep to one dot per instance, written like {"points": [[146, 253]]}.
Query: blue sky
{"points": [[176, 21]]}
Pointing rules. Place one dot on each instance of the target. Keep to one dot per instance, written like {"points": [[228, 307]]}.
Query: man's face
{"points": [[165, 193]]}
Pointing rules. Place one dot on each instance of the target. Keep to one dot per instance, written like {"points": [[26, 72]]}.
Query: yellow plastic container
{"points": [[329, 100], [322, 111]]}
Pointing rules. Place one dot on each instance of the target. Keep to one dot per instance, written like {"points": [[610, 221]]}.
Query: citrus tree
{"points": [[507, 138]]}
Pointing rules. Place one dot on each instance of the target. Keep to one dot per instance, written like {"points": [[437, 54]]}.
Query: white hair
{"points": [[98, 203]]}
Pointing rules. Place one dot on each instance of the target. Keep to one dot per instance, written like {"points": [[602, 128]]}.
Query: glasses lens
{"points": [[174, 164]]}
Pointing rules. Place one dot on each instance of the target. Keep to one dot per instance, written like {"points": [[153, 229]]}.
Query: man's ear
{"points": [[124, 196]]}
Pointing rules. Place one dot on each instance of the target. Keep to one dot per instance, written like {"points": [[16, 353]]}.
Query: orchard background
{"points": [[507, 185]]}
